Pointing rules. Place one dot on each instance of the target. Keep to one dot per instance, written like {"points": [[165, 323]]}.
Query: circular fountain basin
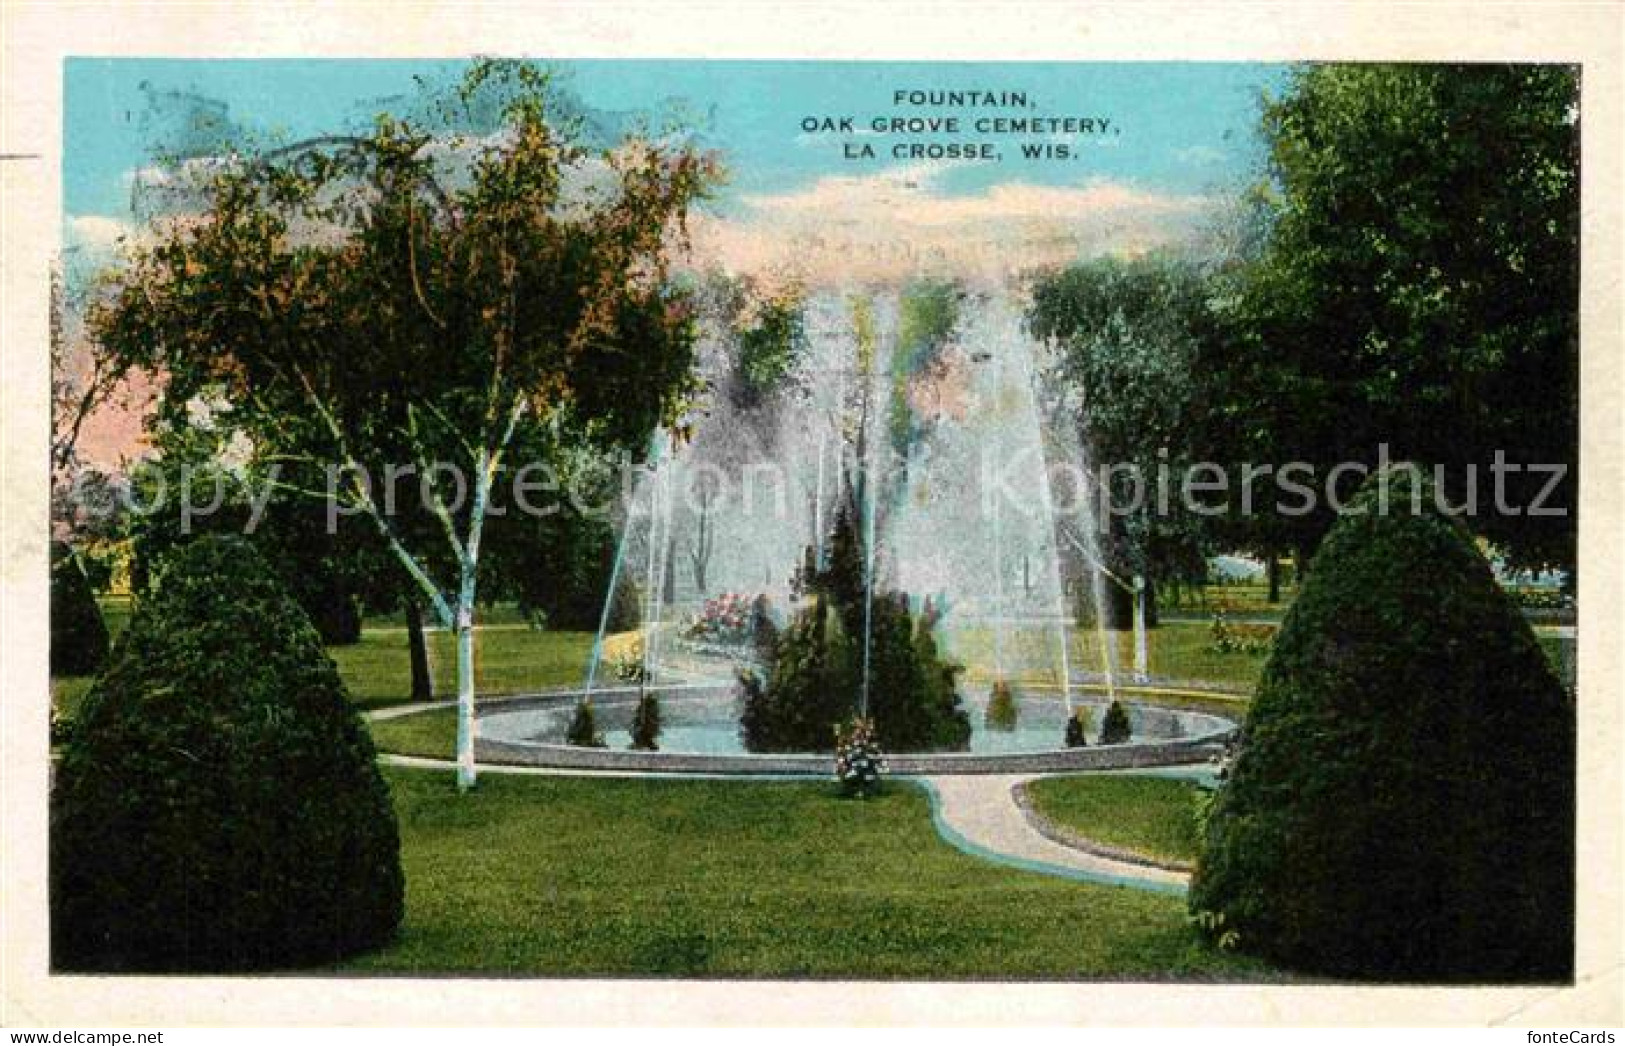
{"points": [[700, 734]]}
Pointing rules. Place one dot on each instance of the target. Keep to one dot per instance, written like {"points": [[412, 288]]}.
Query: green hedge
{"points": [[218, 807], [1402, 803]]}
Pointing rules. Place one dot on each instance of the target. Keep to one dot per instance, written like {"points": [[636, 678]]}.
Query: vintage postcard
{"points": [[1052, 527]]}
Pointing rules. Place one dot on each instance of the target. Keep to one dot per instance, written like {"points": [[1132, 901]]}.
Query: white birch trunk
{"points": [[465, 681], [1142, 654]]}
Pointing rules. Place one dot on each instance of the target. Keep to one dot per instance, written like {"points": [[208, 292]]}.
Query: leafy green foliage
{"points": [[418, 295], [1127, 334], [1401, 805], [646, 723], [768, 349], [583, 730], [930, 312], [1001, 707], [78, 634], [1415, 283], [218, 807], [913, 691], [763, 323], [1115, 728]]}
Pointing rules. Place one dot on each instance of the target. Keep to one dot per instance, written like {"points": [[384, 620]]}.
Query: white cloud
{"points": [[894, 224], [1199, 155], [96, 232]]}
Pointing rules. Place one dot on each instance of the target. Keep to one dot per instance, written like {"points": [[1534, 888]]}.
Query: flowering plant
{"points": [[623, 654], [859, 761], [1231, 637], [725, 619]]}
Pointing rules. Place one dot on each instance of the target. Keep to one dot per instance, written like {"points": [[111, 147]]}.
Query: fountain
{"points": [[916, 429]]}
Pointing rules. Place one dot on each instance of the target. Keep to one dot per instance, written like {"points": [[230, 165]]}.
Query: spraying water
{"points": [[926, 523]]}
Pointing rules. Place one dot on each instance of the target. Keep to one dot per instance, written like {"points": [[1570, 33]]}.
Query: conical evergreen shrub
{"points": [[1001, 711], [1401, 806], [646, 723], [1115, 728], [78, 634], [218, 807], [1077, 729], [583, 729]]}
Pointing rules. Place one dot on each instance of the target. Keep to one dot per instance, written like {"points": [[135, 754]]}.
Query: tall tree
{"points": [[1126, 335], [1417, 286], [405, 299]]}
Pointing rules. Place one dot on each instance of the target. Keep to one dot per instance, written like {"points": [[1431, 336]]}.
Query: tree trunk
{"points": [[465, 676], [465, 697], [1272, 570], [1142, 652], [422, 682], [668, 583]]}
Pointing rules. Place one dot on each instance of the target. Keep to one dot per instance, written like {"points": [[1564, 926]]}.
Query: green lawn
{"points": [[432, 733], [1177, 650], [1154, 816], [507, 660], [1184, 650], [557, 876]]}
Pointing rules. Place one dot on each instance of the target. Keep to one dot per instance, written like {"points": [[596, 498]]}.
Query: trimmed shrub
{"points": [[218, 807], [1401, 804], [78, 634], [646, 723], [1115, 728], [1077, 729], [583, 729], [1001, 708]]}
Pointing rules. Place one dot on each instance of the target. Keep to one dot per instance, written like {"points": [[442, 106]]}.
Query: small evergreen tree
{"points": [[1077, 729], [78, 635], [809, 689], [583, 729], [913, 692], [646, 723], [1115, 728], [1001, 708], [764, 631]]}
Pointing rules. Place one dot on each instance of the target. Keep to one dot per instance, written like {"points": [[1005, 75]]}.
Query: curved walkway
{"points": [[980, 816]]}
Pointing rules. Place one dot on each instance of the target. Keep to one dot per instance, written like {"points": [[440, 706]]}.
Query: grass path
{"points": [[1153, 817]]}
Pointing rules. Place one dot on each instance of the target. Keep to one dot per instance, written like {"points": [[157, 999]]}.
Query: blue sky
{"points": [[1180, 132], [1184, 127]]}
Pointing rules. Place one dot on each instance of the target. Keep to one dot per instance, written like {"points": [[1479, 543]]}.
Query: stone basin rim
{"points": [[1197, 748]]}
